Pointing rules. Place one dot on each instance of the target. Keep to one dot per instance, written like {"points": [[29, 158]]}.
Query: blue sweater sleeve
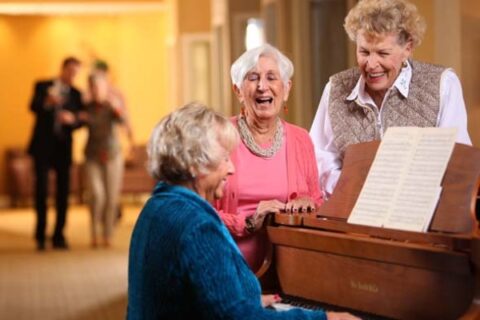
{"points": [[222, 283]]}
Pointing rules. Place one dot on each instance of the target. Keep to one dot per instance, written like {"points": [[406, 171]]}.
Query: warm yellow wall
{"points": [[32, 48], [188, 18], [471, 64], [194, 16], [426, 51], [470, 8], [78, 1]]}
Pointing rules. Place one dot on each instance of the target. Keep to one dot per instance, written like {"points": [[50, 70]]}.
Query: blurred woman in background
{"points": [[103, 159]]}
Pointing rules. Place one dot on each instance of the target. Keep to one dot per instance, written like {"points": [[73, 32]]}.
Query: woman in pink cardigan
{"points": [[275, 162]]}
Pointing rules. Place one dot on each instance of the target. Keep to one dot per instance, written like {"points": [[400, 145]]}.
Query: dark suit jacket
{"points": [[45, 143]]}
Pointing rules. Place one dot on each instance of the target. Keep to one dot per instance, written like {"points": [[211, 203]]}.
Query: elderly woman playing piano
{"points": [[183, 262], [387, 88], [275, 162]]}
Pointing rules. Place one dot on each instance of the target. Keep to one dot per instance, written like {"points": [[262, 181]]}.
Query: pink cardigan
{"points": [[302, 181]]}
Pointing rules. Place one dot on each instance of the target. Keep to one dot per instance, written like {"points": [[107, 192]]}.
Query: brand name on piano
{"points": [[364, 286]]}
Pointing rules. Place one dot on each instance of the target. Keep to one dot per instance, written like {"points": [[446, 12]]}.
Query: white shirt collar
{"points": [[402, 83]]}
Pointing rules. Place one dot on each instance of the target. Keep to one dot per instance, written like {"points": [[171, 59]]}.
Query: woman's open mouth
{"points": [[264, 100]]}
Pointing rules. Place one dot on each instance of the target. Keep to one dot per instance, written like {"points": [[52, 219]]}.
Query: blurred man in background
{"points": [[56, 104]]}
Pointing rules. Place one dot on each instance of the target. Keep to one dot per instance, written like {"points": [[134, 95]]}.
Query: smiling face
{"points": [[263, 91], [211, 185], [380, 60]]}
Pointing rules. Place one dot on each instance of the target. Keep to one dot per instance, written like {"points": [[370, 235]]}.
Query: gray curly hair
{"points": [[376, 17], [189, 141]]}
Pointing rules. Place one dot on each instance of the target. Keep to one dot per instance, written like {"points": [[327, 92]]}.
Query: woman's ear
{"points": [[193, 172], [408, 50], [288, 86], [238, 93]]}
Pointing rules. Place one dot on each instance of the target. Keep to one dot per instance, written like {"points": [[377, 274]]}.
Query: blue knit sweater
{"points": [[184, 264]]}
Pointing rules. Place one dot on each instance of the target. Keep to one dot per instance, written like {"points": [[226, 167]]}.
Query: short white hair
{"points": [[249, 59], [189, 138]]}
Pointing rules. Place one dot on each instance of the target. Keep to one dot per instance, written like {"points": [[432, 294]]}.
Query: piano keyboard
{"points": [[289, 302]]}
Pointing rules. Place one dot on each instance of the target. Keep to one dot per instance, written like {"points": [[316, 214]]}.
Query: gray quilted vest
{"points": [[353, 123]]}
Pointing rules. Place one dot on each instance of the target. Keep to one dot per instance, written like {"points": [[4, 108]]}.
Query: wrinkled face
{"points": [[380, 60], [263, 91], [69, 72], [211, 185]]}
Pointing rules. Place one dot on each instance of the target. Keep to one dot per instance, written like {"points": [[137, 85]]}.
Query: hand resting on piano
{"points": [[264, 208]]}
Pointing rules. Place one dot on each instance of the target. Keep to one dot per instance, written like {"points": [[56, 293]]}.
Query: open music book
{"points": [[403, 185]]}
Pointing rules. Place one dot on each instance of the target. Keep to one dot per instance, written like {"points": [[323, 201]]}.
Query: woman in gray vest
{"points": [[387, 88]]}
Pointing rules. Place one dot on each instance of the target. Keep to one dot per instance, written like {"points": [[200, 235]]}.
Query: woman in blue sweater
{"points": [[183, 262]]}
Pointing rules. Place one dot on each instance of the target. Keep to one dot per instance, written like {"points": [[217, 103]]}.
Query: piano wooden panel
{"points": [[392, 273], [373, 275]]}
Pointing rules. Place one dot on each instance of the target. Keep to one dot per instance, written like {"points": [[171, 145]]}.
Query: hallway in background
{"points": [[78, 284]]}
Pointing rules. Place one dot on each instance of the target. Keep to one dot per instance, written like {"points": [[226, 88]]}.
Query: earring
{"points": [[404, 64], [285, 109]]}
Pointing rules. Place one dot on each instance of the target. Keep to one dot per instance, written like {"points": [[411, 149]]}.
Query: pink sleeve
{"points": [[235, 222], [312, 174], [310, 168]]}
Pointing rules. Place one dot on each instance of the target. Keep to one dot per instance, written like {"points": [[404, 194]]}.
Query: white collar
{"points": [[402, 83]]}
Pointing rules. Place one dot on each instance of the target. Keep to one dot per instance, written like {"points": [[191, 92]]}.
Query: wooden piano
{"points": [[390, 273]]}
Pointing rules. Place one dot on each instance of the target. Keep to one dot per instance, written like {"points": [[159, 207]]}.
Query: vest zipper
{"points": [[378, 123]]}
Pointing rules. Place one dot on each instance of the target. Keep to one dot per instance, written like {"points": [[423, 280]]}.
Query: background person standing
{"points": [[56, 105], [103, 158]]}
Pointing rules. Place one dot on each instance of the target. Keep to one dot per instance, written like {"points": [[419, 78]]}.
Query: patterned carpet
{"points": [[78, 284]]}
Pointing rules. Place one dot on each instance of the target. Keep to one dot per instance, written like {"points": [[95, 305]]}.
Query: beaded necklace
{"points": [[249, 141]]}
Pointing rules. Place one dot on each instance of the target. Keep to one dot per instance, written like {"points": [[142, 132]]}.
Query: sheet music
{"points": [[403, 186]]}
